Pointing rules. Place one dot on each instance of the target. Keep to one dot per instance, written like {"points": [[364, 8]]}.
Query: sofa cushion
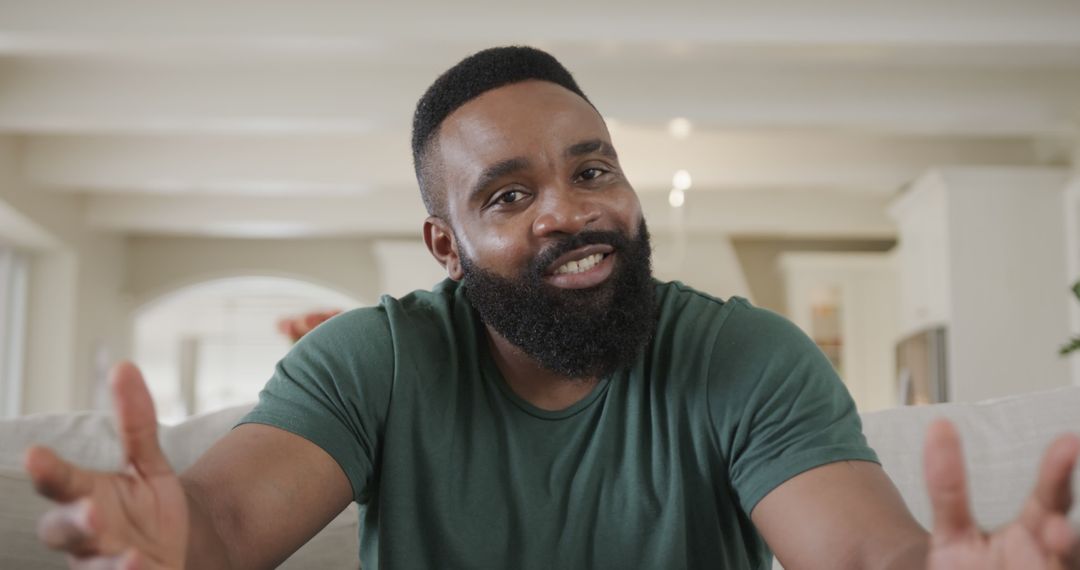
{"points": [[19, 547], [1003, 442]]}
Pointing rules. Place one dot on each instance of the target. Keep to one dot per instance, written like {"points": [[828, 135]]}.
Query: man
{"points": [[548, 406]]}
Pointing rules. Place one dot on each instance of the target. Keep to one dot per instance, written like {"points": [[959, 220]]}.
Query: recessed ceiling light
{"points": [[676, 198], [681, 180]]}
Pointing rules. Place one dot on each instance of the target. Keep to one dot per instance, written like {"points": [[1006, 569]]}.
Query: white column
{"points": [[189, 371], [13, 279]]}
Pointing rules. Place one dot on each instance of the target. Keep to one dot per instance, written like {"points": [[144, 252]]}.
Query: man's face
{"points": [[548, 235]]}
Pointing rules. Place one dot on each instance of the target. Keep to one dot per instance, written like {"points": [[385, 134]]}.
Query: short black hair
{"points": [[471, 77]]}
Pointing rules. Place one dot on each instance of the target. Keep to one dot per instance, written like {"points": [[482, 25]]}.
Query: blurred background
{"points": [[176, 179]]}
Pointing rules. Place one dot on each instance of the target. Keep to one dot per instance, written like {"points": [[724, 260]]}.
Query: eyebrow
{"points": [[496, 171], [590, 146]]}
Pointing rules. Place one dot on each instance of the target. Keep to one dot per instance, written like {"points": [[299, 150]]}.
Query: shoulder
{"points": [[685, 314], [367, 347], [734, 322], [682, 307], [737, 343], [345, 344], [391, 312], [428, 319]]}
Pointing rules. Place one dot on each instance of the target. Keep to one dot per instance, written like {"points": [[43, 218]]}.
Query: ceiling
{"points": [[280, 118]]}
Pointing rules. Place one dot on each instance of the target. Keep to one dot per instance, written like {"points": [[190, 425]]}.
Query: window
{"points": [[215, 344], [13, 275]]}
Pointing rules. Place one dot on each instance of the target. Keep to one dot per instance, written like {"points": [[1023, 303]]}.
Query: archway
{"points": [[214, 344]]}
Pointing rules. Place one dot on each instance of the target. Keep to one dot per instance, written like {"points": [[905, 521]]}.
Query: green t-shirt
{"points": [[658, 467]]}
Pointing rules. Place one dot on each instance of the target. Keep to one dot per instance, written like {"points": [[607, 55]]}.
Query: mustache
{"points": [[548, 256]]}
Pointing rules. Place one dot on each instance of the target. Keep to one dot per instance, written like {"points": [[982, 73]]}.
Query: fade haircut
{"points": [[473, 76]]}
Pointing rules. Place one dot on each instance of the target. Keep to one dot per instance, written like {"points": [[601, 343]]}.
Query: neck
{"points": [[531, 381]]}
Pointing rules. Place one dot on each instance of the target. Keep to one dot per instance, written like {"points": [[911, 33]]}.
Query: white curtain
{"points": [[13, 275]]}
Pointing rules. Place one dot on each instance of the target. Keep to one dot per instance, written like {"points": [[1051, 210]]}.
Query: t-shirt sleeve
{"points": [[778, 406], [333, 389]]}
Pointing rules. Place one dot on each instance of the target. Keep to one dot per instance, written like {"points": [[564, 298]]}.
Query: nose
{"points": [[566, 211]]}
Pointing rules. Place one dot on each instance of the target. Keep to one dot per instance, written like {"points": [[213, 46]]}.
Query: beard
{"points": [[576, 333]]}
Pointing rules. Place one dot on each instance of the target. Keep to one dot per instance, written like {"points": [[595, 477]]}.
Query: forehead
{"points": [[531, 120]]}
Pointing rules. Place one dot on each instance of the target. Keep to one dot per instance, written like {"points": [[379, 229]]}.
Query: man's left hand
{"points": [[1040, 538]]}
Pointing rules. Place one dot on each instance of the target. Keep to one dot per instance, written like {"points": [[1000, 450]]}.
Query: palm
{"points": [[154, 505], [135, 518], [1039, 539], [1012, 547]]}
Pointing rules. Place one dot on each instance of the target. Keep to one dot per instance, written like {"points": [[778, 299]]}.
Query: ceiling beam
{"points": [[79, 96], [35, 23], [334, 165]]}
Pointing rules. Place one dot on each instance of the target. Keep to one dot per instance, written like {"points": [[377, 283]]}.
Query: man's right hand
{"points": [[136, 518]]}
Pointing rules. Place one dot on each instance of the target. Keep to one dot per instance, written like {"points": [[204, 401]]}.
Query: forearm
{"points": [[908, 555], [206, 547]]}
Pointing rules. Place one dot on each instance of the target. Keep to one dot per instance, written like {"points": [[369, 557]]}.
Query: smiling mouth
{"points": [[580, 265], [579, 260]]}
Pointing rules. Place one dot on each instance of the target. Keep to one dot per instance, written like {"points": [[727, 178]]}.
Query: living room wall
{"points": [[158, 265], [75, 317]]}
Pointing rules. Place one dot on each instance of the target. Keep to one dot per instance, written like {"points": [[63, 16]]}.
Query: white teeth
{"points": [[580, 265]]}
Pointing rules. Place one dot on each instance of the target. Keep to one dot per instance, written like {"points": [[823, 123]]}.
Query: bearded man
{"points": [[549, 405]]}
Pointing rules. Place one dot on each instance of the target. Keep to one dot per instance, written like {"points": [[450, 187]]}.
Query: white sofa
{"points": [[1003, 442]]}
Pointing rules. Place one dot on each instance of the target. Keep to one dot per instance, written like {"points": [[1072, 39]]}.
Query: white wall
{"points": [[103, 326], [406, 265], [759, 259], [159, 265], [76, 308], [705, 261]]}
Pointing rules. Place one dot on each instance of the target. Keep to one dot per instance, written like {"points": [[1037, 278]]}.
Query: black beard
{"points": [[576, 333]]}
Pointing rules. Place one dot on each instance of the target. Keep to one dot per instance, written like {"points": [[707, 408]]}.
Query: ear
{"points": [[441, 242]]}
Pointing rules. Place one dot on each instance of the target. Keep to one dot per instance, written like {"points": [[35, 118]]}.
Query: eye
{"points": [[592, 173], [596, 174], [508, 197]]}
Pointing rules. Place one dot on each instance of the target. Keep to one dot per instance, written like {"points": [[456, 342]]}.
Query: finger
{"points": [[1058, 537], [137, 421], [69, 528], [946, 483], [55, 478], [1053, 491]]}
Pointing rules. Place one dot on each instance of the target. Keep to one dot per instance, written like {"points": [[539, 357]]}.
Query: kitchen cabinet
{"points": [[981, 251]]}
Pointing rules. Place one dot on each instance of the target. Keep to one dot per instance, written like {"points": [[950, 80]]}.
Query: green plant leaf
{"points": [[1074, 344]]}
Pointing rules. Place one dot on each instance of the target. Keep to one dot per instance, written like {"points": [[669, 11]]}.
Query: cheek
{"points": [[504, 250], [628, 209]]}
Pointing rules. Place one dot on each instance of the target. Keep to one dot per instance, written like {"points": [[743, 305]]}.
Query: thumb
{"points": [[946, 483], [137, 421]]}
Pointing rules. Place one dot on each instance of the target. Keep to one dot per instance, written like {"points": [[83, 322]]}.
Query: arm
{"points": [[841, 515], [258, 495], [849, 515]]}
